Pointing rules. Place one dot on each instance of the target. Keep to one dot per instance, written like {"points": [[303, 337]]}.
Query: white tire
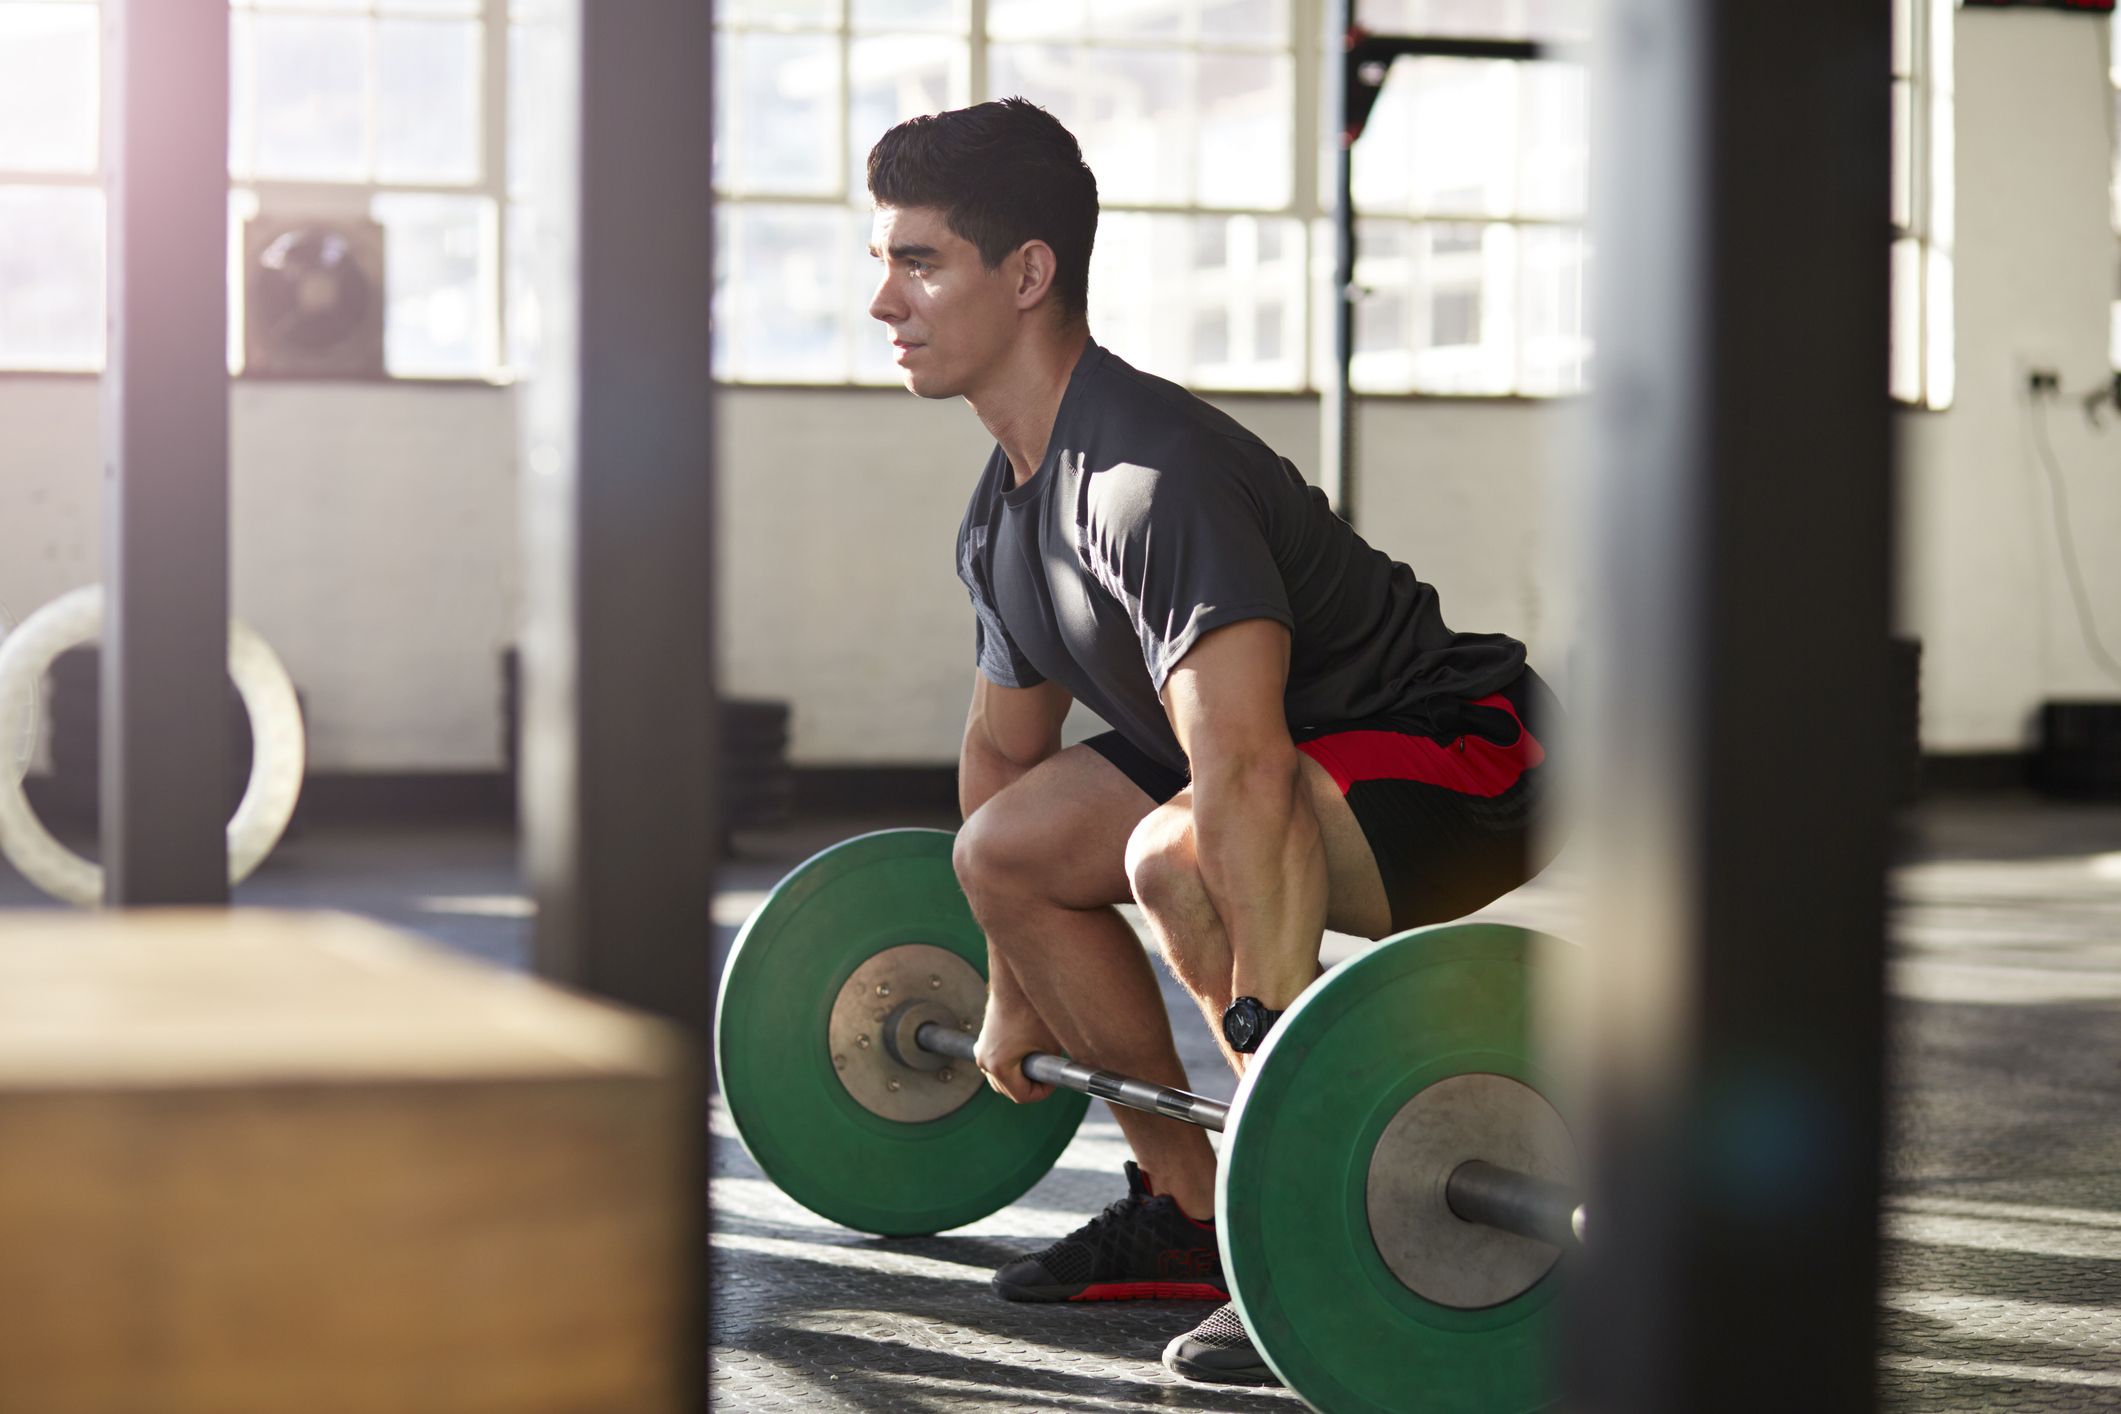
{"points": [[278, 752]]}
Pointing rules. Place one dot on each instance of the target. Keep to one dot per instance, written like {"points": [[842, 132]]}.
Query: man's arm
{"points": [[1262, 858], [1008, 731]]}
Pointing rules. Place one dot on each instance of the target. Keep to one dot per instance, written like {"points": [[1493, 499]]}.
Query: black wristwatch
{"points": [[1246, 1023]]}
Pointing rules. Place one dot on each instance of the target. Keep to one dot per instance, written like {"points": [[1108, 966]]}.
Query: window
{"points": [[51, 197], [1923, 366], [386, 109], [1469, 186], [1201, 121], [380, 108]]}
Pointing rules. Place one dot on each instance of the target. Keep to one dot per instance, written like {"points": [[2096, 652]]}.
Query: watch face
{"points": [[1241, 1024]]}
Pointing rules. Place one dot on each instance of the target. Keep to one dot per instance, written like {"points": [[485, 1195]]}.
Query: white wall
{"points": [[2036, 257], [373, 544], [375, 527]]}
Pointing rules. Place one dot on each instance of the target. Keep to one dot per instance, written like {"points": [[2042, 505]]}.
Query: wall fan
{"points": [[313, 297]]}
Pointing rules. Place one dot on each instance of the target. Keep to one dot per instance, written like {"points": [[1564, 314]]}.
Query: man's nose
{"points": [[885, 304]]}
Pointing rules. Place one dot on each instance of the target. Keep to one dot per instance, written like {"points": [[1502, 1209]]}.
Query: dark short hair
{"points": [[1002, 173]]}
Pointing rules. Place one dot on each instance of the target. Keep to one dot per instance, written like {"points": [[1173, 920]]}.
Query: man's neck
{"points": [[1019, 403]]}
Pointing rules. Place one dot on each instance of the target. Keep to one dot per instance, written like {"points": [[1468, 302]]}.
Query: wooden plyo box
{"points": [[301, 1164]]}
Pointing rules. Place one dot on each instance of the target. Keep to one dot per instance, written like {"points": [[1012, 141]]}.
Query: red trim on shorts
{"points": [[1471, 765]]}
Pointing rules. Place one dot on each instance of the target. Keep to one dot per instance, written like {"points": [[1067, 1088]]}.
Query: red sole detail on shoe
{"points": [[1151, 1291]]}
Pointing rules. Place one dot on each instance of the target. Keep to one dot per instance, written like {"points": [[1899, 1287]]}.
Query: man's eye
{"points": [[918, 267]]}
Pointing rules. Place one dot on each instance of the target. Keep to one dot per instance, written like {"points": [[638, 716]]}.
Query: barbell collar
{"points": [[1046, 1069], [1522, 1203]]}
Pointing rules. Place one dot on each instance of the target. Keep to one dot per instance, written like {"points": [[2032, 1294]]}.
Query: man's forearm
{"points": [[1263, 863]]}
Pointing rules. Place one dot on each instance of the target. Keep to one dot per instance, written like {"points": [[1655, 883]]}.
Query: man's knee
{"points": [[1162, 868]]}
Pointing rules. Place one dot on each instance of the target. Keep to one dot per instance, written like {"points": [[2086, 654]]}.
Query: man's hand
{"points": [[1011, 1031]]}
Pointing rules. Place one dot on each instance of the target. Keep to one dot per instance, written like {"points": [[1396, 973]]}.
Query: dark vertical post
{"points": [[1336, 401], [165, 436], [620, 792], [1740, 560], [619, 744]]}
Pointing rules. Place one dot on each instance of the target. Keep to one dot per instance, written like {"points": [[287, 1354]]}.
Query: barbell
{"points": [[1397, 1194]]}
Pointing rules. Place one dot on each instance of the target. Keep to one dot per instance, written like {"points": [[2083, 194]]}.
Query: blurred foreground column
{"points": [[164, 708], [618, 789], [1734, 787]]}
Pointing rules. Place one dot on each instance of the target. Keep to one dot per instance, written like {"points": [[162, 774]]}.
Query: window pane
{"points": [[1554, 349], [1246, 107], [1478, 19], [1444, 140], [1034, 19], [312, 97], [1131, 109], [242, 97], [1262, 22], [778, 122], [51, 277], [947, 15], [780, 13], [1906, 362], [1464, 138], [428, 7], [891, 79], [1555, 149], [1139, 19], [1563, 21], [242, 206], [1437, 313], [1943, 360], [1903, 155], [427, 101], [783, 303], [538, 80], [439, 277], [1233, 319], [48, 88], [526, 325]]}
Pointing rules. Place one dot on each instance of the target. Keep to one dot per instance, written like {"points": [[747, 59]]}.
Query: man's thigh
{"points": [[1064, 824], [1355, 892]]}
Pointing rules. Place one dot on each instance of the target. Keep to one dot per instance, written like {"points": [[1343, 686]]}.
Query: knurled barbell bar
{"points": [[1396, 1188], [1477, 1191]]}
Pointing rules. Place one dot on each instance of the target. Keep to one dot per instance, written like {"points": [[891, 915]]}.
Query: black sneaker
{"points": [[1218, 1352], [1140, 1248]]}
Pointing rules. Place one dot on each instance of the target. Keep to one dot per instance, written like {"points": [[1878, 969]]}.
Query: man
{"points": [[1298, 740]]}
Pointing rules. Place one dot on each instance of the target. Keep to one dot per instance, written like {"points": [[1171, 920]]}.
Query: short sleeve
{"points": [[1185, 548], [994, 651]]}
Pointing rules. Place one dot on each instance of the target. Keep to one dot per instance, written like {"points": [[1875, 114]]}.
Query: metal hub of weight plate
{"points": [[797, 1117], [948, 990], [1318, 1296], [1430, 1248]]}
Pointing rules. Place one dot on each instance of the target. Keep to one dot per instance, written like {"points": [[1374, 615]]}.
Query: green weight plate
{"points": [[809, 1135], [1318, 1300]]}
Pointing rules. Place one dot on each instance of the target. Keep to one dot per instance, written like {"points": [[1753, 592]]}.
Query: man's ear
{"points": [[1036, 269]]}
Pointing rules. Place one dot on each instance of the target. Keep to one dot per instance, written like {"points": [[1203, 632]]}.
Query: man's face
{"points": [[950, 317]]}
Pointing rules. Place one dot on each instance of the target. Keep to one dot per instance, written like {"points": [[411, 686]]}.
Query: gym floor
{"points": [[2002, 1281]]}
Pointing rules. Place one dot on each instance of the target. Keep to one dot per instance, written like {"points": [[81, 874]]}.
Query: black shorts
{"points": [[1456, 815]]}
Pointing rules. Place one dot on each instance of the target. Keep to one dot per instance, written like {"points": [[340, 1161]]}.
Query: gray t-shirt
{"points": [[1155, 518]]}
